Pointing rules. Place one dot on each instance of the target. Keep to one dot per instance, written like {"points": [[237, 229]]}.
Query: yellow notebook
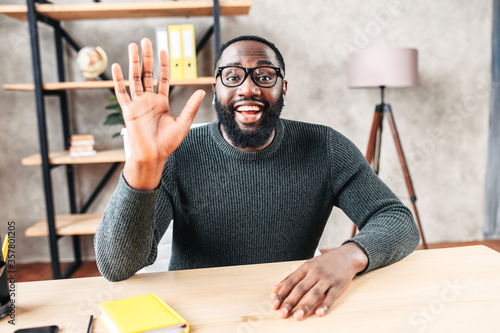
{"points": [[141, 314]]}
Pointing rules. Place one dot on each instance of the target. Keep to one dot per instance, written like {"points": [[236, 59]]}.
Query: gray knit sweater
{"points": [[231, 207]]}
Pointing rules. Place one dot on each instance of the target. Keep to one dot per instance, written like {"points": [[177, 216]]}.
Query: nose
{"points": [[248, 88]]}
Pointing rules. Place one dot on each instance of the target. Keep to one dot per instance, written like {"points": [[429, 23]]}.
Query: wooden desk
{"points": [[443, 290]]}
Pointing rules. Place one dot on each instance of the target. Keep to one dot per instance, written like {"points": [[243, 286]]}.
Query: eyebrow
{"points": [[264, 62], [260, 62]]}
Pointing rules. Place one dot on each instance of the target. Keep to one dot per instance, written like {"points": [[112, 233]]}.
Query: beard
{"points": [[254, 138]]}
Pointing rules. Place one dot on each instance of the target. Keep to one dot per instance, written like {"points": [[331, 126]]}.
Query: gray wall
{"points": [[443, 122]]}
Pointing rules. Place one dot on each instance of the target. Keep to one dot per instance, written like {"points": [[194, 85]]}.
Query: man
{"points": [[248, 188]]}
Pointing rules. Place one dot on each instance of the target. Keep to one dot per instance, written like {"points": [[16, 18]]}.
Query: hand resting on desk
{"points": [[317, 283]]}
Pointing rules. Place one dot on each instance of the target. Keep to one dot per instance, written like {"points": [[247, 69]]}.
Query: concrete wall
{"points": [[443, 122]]}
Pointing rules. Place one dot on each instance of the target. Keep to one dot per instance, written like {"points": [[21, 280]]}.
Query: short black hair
{"points": [[254, 38]]}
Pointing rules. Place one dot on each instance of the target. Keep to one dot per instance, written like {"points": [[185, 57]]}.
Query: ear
{"points": [[213, 86], [285, 87]]}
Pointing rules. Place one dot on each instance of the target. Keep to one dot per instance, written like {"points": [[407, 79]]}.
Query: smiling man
{"points": [[248, 122], [248, 188]]}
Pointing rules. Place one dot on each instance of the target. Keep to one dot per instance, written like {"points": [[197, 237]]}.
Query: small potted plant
{"points": [[115, 117]]}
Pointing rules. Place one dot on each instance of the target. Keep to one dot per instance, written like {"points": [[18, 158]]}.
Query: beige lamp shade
{"points": [[387, 66]]}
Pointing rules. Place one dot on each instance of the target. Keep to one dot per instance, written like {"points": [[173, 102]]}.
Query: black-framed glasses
{"points": [[263, 76]]}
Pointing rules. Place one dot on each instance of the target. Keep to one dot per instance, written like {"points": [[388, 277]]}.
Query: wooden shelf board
{"points": [[62, 157], [205, 80], [75, 224], [15, 11], [129, 10]]}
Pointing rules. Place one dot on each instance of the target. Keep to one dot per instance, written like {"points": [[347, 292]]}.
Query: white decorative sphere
{"points": [[92, 61]]}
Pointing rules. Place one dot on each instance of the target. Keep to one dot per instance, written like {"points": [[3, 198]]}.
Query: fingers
{"points": [[330, 297], [278, 286], [312, 299], [119, 84], [187, 115], [163, 78], [147, 65], [294, 282], [304, 296], [300, 291], [134, 74]]}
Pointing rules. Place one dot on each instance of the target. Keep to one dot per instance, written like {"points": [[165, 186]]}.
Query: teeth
{"points": [[244, 108]]}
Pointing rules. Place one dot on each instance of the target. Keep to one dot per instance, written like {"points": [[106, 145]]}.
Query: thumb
{"points": [[191, 108]]}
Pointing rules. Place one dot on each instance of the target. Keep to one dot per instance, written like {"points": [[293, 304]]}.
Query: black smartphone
{"points": [[44, 329]]}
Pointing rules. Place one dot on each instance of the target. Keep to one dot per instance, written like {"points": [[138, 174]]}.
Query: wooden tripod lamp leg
{"points": [[406, 172], [373, 150]]}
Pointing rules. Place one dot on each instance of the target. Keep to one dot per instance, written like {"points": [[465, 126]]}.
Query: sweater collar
{"points": [[225, 147]]}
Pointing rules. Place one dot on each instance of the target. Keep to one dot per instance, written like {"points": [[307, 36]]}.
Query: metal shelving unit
{"points": [[43, 11]]}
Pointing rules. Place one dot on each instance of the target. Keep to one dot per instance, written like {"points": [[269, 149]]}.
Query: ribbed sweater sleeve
{"points": [[130, 230], [388, 231]]}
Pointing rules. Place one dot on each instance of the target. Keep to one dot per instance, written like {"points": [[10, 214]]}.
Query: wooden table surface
{"points": [[442, 290]]}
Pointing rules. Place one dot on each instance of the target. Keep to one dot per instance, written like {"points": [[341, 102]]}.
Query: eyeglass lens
{"points": [[261, 76]]}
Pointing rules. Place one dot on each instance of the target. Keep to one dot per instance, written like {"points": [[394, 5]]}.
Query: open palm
{"points": [[152, 131]]}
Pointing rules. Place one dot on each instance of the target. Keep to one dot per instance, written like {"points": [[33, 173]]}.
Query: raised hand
{"points": [[152, 131], [317, 283]]}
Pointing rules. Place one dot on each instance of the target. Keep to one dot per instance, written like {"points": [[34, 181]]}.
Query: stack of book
{"points": [[82, 145]]}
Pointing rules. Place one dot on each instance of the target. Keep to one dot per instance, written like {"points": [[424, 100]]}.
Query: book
{"points": [[82, 140], [80, 137], [145, 313], [82, 153]]}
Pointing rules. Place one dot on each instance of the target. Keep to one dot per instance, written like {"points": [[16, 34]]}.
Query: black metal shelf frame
{"points": [[61, 34]]}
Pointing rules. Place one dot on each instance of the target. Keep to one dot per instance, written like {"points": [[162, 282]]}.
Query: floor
{"points": [[42, 271]]}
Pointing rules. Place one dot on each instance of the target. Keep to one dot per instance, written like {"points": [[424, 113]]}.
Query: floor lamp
{"points": [[385, 67]]}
